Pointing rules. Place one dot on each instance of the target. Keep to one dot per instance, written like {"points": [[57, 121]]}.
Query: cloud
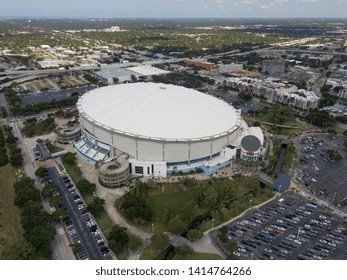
{"points": [[221, 3], [249, 1], [272, 3]]}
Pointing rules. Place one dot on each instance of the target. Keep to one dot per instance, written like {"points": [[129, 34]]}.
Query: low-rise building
{"points": [[272, 91], [203, 64]]}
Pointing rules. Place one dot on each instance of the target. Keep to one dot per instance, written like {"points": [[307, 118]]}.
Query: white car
{"points": [[236, 253], [297, 241]]}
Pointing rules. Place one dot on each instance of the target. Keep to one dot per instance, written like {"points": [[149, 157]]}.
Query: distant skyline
{"points": [[173, 8]]}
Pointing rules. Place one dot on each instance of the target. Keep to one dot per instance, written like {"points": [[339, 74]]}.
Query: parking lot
{"points": [[325, 177], [50, 96], [81, 226], [288, 228]]}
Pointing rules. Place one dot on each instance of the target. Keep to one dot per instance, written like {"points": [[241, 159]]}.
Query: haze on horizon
{"points": [[174, 8]]}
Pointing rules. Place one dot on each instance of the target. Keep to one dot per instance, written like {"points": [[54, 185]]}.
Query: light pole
{"points": [[152, 227], [212, 222], [250, 203], [252, 256]]}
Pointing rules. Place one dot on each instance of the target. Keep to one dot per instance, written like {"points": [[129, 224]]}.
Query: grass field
{"points": [[74, 171], [174, 198], [104, 222], [10, 226], [38, 86], [302, 126], [180, 202]]}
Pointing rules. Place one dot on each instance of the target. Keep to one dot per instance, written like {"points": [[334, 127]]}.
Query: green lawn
{"points": [[53, 148], [104, 222], [290, 121], [172, 199], [149, 253], [10, 226], [74, 171], [179, 202]]}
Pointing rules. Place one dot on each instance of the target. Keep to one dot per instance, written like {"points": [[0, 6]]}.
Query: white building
{"points": [[275, 92], [161, 128], [228, 68]]}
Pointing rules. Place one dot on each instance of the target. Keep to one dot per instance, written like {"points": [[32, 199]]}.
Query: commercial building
{"points": [[273, 68], [228, 68], [280, 92], [161, 128], [107, 73]]}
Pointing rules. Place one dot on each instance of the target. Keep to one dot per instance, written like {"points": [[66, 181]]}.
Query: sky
{"points": [[173, 8]]}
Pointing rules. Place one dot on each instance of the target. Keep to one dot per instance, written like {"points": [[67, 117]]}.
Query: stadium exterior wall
{"points": [[155, 149]]}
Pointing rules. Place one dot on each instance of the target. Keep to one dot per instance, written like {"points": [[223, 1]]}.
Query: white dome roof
{"points": [[154, 110]]}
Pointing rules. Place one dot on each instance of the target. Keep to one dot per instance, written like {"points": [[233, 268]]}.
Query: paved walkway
{"points": [[110, 196]]}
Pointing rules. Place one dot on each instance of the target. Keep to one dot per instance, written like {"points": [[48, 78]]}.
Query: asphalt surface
{"points": [[266, 233], [34, 98], [58, 246], [330, 180], [246, 105], [88, 243]]}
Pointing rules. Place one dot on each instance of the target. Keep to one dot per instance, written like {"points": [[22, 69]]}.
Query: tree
{"points": [[96, 207], [26, 194], [75, 247], [85, 187], [69, 158], [49, 189], [194, 234], [20, 250], [135, 205], [223, 234], [232, 248], [54, 201], [41, 172], [209, 197], [332, 131], [117, 238], [16, 160], [160, 241], [59, 113], [24, 183], [60, 215], [115, 80], [41, 237], [184, 251], [134, 242], [176, 225]]}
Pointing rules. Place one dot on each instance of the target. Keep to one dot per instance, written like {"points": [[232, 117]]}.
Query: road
{"points": [[87, 240], [60, 248]]}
